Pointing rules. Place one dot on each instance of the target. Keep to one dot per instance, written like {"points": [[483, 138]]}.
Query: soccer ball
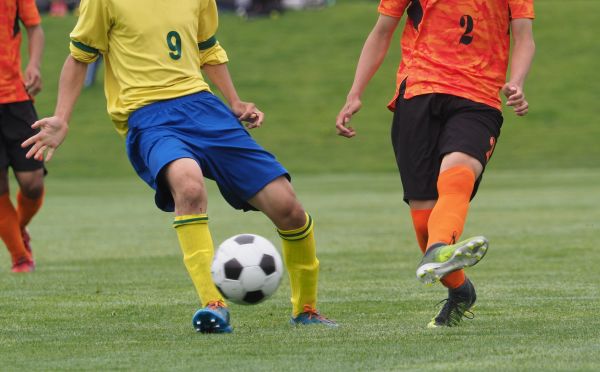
{"points": [[247, 269]]}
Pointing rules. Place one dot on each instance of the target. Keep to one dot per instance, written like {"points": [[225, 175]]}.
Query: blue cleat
{"points": [[214, 318], [312, 316]]}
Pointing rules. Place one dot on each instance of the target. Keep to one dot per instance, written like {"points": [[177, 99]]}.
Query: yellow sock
{"points": [[300, 256], [198, 252]]}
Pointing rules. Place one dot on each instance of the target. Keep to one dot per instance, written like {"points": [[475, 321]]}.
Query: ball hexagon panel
{"points": [[267, 264], [254, 297], [233, 269]]}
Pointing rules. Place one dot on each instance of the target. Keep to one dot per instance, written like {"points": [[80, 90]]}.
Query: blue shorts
{"points": [[200, 127]]}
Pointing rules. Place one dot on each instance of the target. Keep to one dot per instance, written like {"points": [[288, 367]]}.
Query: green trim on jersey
{"points": [[84, 47], [207, 43]]}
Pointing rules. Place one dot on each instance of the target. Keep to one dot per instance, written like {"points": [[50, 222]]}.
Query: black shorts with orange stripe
{"points": [[427, 127]]}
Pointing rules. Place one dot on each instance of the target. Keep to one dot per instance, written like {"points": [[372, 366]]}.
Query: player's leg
{"points": [[16, 120], [296, 229], [186, 183], [166, 153], [30, 198], [446, 222], [416, 131], [10, 233], [467, 143]]}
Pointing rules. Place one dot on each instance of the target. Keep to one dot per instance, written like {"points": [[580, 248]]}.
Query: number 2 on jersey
{"points": [[174, 43], [466, 22]]}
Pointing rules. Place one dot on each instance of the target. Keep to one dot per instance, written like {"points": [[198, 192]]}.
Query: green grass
{"points": [[111, 291], [298, 69]]}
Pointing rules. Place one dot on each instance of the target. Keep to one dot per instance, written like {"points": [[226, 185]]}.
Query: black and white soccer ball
{"points": [[247, 269]]}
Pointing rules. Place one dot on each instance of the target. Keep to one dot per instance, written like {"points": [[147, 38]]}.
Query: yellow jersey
{"points": [[153, 49]]}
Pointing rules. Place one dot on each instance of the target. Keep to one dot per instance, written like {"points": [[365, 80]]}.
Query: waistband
{"points": [[159, 106]]}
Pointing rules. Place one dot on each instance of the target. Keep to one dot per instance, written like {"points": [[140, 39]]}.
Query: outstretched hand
{"points": [[53, 131], [248, 113], [351, 107], [515, 98]]}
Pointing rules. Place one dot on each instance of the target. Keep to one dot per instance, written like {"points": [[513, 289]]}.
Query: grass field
{"points": [[111, 292]]}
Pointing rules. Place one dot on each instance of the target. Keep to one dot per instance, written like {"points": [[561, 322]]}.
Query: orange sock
{"points": [[27, 208], [420, 218], [10, 231], [448, 217], [454, 280]]}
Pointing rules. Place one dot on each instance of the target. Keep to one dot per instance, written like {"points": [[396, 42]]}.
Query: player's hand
{"points": [[351, 107], [33, 80], [52, 133], [515, 98], [248, 113]]}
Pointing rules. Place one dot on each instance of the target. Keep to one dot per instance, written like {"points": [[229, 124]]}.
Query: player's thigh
{"points": [[3, 181], [31, 183], [470, 134], [455, 159], [17, 119], [415, 132], [278, 201], [185, 180]]}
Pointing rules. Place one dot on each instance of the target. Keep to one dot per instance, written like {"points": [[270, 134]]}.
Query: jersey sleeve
{"points": [[521, 9], [28, 13], [392, 8], [89, 38], [211, 52]]}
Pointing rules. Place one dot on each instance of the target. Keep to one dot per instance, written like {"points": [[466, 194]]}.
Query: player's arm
{"points": [[213, 61], [88, 39], [522, 56], [245, 111], [53, 130], [371, 57], [33, 77]]}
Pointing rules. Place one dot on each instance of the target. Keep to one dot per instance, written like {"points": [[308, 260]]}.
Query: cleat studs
{"points": [[198, 322], [212, 320]]}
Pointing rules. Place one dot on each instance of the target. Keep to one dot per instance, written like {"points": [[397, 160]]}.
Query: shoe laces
{"points": [[311, 312], [214, 305], [453, 311]]}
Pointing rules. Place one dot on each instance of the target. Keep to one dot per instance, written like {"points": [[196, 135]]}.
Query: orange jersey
{"points": [[457, 47], [12, 87]]}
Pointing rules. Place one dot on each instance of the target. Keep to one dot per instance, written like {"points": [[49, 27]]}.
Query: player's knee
{"points": [[33, 190], [190, 195], [292, 214]]}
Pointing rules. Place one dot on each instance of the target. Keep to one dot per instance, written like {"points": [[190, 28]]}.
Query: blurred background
{"points": [[296, 61]]}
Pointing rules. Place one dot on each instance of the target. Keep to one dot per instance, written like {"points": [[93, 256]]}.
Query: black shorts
{"points": [[427, 127], [15, 127]]}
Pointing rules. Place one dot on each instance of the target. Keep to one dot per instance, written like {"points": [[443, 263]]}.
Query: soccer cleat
{"points": [[23, 265], [214, 318], [458, 305], [440, 259], [312, 316]]}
